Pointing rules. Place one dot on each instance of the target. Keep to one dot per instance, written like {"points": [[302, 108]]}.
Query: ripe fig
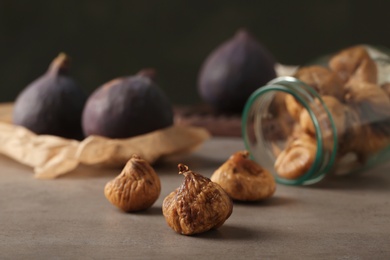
{"points": [[233, 71], [53, 103], [197, 206], [126, 107]]}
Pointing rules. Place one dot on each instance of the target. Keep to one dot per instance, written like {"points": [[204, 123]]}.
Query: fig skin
{"points": [[52, 104], [136, 188], [233, 71], [323, 80], [297, 158], [127, 107], [354, 63], [197, 206], [244, 179]]}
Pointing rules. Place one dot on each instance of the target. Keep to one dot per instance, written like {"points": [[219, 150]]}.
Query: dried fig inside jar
{"points": [[340, 116], [323, 80], [297, 158], [356, 63]]}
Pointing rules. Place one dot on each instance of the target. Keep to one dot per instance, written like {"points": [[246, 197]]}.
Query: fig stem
{"points": [[60, 64], [148, 72], [182, 168], [245, 154], [135, 156]]}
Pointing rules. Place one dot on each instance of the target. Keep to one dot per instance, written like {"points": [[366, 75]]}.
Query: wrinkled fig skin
{"points": [[293, 107], [136, 188], [294, 161], [323, 80], [354, 63], [233, 71], [370, 100], [197, 206], [338, 112], [127, 107], [52, 104], [244, 179]]}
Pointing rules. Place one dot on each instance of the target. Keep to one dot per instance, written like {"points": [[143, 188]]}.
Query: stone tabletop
{"points": [[69, 217]]}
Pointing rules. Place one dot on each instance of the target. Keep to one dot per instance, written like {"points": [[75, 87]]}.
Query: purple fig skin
{"points": [[52, 104], [127, 107], [233, 71]]}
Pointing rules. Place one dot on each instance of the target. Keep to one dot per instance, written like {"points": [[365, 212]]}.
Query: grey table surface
{"points": [[69, 217]]}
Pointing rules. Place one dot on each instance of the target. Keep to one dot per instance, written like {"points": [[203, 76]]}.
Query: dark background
{"points": [[107, 39]]}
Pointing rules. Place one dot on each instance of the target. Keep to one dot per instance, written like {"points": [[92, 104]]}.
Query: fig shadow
{"points": [[230, 232], [152, 211], [274, 201]]}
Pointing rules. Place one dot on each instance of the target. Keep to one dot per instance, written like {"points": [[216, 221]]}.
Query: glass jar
{"points": [[332, 118]]}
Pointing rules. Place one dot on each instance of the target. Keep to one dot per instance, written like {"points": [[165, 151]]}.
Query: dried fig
{"points": [[293, 107], [53, 103], [233, 71], [197, 206], [323, 80], [136, 188], [370, 100], [127, 107], [370, 141], [354, 63], [386, 87], [297, 158], [277, 125], [244, 179], [335, 108], [277, 128]]}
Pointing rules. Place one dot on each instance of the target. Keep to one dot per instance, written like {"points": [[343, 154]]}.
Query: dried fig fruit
{"points": [[53, 103], [127, 107], [136, 188], [370, 100], [233, 71], [277, 106], [293, 107], [323, 80], [354, 63], [349, 141], [297, 158], [244, 179], [277, 128], [197, 206], [277, 125], [335, 108], [371, 141], [386, 87]]}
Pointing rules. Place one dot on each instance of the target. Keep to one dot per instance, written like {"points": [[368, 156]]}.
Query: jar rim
{"points": [[288, 85]]}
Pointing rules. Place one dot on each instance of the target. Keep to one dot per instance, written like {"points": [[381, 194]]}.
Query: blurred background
{"points": [[108, 39]]}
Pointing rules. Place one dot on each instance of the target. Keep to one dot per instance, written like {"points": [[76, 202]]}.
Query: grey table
{"points": [[69, 217]]}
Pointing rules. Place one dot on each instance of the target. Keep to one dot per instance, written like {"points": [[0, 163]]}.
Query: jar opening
{"points": [[277, 142]]}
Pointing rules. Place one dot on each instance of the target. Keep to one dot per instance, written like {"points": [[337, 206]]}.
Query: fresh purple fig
{"points": [[53, 103], [127, 107], [233, 71]]}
